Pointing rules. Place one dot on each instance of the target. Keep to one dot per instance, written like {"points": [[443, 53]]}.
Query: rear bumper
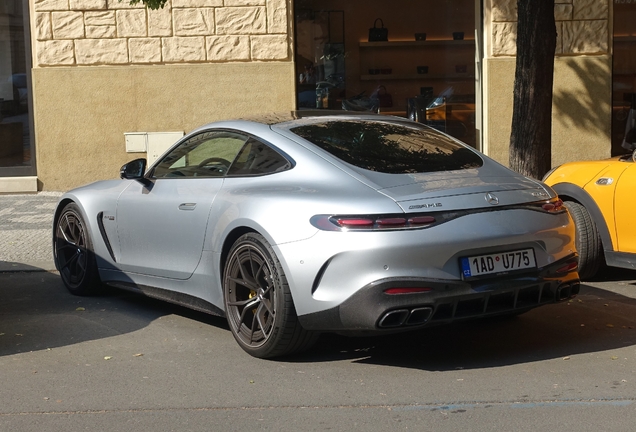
{"points": [[371, 309]]}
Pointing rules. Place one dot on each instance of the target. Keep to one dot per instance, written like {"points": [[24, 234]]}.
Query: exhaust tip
{"points": [[394, 318], [405, 317], [419, 316], [567, 291]]}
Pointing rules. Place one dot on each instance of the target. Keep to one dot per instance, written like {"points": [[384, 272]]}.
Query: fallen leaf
{"points": [[251, 381], [80, 309], [137, 355], [566, 358], [609, 325], [107, 358], [614, 358]]}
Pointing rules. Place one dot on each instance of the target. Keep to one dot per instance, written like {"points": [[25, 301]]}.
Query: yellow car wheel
{"points": [[588, 240]]}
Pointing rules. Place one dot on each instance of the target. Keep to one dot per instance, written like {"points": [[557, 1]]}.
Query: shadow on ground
{"points": [[36, 313], [595, 321]]}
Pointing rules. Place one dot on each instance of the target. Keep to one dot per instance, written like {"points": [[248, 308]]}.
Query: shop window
{"points": [[422, 66], [16, 156], [624, 76]]}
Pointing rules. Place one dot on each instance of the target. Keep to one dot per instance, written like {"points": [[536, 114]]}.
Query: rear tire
{"points": [[73, 253], [258, 303], [587, 240]]}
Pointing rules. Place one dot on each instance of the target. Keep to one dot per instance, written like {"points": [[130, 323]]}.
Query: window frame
{"points": [[150, 175]]}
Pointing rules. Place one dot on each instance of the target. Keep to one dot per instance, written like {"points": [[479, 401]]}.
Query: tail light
{"points": [[554, 205], [376, 223], [568, 268], [409, 290]]}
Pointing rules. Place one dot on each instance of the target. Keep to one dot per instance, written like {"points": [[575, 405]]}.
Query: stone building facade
{"points": [[104, 68], [112, 32]]}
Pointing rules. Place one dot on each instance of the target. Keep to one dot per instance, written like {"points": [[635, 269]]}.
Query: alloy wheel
{"points": [[71, 248], [250, 295]]}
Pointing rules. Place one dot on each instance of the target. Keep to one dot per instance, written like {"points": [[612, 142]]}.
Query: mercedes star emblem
{"points": [[492, 199]]}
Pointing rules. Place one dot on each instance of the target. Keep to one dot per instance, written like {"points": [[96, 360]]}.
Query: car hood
{"points": [[453, 190]]}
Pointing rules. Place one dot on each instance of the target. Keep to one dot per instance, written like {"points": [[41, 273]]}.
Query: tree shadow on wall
{"points": [[587, 107]]}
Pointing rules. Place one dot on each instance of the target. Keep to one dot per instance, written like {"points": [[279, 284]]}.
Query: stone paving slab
{"points": [[25, 231]]}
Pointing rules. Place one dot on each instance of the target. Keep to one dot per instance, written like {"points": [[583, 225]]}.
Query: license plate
{"points": [[502, 262]]}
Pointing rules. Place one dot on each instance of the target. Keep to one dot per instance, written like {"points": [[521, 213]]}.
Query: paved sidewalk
{"points": [[25, 231]]}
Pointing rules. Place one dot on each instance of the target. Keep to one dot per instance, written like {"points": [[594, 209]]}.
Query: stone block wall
{"points": [[112, 32], [582, 27]]}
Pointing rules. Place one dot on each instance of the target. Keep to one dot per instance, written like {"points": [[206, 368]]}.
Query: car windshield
{"points": [[393, 148]]}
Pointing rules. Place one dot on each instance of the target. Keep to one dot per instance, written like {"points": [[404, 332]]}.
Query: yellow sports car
{"points": [[599, 196]]}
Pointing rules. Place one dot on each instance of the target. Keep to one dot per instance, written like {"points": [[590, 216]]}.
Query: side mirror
{"points": [[133, 170]]}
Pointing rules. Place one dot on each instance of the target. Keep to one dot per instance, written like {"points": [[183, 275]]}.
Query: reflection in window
{"points": [[257, 158], [389, 148]]}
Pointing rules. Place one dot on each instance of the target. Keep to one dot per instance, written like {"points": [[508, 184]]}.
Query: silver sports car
{"points": [[290, 225]]}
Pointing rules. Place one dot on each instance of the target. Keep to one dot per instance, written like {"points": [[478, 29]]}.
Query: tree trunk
{"points": [[530, 138]]}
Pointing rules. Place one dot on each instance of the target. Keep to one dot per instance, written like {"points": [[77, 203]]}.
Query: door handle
{"points": [[187, 206]]}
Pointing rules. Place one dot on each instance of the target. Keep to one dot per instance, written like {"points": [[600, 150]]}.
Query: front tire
{"points": [[258, 304], [587, 240], [73, 252]]}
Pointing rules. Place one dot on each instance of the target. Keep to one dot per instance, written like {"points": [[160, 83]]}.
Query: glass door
{"points": [[16, 131]]}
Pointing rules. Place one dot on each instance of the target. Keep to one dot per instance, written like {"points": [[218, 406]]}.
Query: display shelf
{"points": [[624, 38], [425, 43], [421, 77], [623, 72]]}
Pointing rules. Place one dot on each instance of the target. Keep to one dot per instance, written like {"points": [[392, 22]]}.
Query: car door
{"points": [[161, 225], [625, 209]]}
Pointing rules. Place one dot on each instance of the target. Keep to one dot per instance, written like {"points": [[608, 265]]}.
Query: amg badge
{"points": [[420, 206]]}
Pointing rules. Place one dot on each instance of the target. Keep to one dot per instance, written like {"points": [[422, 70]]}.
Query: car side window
{"points": [[208, 154], [257, 158]]}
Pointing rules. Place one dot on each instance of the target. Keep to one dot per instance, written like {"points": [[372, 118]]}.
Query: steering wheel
{"points": [[216, 160]]}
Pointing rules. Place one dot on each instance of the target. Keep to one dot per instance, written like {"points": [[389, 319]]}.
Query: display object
{"points": [[458, 35], [384, 98], [378, 34]]}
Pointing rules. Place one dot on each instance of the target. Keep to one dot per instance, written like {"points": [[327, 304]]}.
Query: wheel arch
{"points": [[572, 192], [229, 241], [58, 210], [60, 206]]}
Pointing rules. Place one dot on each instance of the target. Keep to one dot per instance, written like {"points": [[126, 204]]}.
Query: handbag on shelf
{"points": [[385, 100], [378, 34]]}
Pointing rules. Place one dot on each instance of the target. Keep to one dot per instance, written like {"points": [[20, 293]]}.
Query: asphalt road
{"points": [[121, 362]]}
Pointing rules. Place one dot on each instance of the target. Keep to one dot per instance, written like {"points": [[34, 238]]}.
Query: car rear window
{"points": [[391, 148]]}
